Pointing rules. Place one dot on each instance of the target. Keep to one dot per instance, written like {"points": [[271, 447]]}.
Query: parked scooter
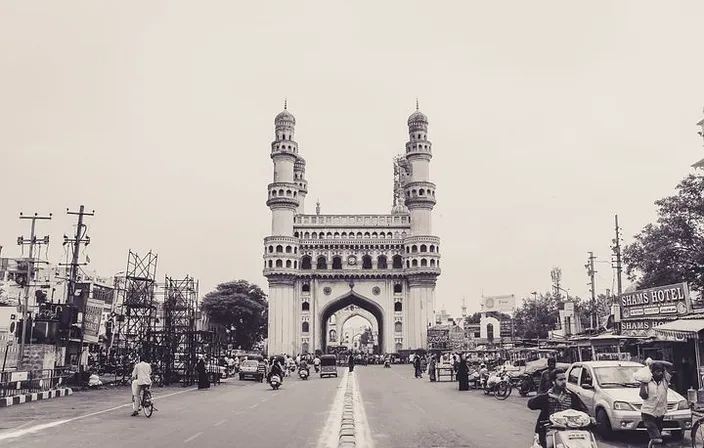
{"points": [[275, 381], [570, 429], [303, 374]]}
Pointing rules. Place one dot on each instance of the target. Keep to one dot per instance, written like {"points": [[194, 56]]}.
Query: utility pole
{"points": [[592, 290], [32, 241], [73, 276], [617, 252]]}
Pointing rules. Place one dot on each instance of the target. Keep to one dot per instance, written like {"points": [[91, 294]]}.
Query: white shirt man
{"points": [[141, 376]]}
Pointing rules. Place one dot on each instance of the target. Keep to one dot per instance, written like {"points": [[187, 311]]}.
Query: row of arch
{"points": [[420, 192], [397, 247], [398, 288], [350, 235], [423, 248], [305, 306], [321, 264], [280, 249], [409, 249], [381, 262], [282, 192]]}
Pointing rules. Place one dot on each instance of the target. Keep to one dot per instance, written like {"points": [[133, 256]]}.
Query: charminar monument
{"points": [[323, 269]]}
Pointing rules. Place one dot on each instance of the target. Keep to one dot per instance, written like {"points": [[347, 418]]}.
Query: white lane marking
{"points": [[330, 434], [220, 423], [236, 412], [254, 406], [198, 434], [399, 375], [33, 429], [363, 434], [419, 408]]}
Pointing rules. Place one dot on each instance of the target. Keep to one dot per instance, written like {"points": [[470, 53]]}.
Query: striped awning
{"points": [[681, 328]]}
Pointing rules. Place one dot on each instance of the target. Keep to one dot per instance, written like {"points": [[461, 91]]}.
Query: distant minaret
{"points": [[464, 308], [317, 207]]}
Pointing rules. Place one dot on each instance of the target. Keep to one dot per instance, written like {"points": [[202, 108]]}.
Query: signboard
{"points": [[104, 294], [640, 327], [94, 312], [502, 304], [663, 301], [506, 328], [438, 339]]}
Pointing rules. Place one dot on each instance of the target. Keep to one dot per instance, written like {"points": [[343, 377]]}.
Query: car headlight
{"points": [[623, 406], [682, 405]]}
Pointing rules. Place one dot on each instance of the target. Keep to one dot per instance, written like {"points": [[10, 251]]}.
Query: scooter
{"points": [[570, 429], [303, 374], [275, 381]]}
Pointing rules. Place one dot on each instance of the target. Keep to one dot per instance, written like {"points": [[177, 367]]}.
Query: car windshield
{"points": [[616, 376]]}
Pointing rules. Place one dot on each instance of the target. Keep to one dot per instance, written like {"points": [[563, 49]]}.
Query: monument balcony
{"points": [[352, 221], [433, 270], [281, 239], [350, 242]]}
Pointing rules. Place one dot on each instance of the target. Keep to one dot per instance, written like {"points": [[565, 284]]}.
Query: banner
{"points": [[94, 312], [104, 294], [438, 339], [506, 328], [663, 301], [502, 304]]}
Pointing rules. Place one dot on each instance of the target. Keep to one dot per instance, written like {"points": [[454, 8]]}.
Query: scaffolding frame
{"points": [[138, 307]]}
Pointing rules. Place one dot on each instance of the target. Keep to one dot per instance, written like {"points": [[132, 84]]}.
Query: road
{"points": [[394, 409]]}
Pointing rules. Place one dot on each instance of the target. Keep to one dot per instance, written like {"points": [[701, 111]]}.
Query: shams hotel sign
{"points": [[643, 310]]}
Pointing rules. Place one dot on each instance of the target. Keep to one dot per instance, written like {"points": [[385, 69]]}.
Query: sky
{"points": [[546, 118]]}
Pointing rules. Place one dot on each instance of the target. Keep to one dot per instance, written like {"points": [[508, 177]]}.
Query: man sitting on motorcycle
{"points": [[556, 399], [303, 365]]}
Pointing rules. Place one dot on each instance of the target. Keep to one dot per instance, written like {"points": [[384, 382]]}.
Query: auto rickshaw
{"points": [[328, 366]]}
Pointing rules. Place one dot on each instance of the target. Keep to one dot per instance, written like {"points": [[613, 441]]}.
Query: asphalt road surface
{"points": [[392, 408]]}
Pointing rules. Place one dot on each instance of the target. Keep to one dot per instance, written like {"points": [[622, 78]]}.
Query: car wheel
{"points": [[677, 435], [603, 425]]}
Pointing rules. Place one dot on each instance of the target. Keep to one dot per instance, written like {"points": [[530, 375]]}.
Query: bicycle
{"points": [[147, 402], [697, 434]]}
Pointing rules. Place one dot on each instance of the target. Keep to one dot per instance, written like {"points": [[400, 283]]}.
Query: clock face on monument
{"points": [[489, 303], [352, 260]]}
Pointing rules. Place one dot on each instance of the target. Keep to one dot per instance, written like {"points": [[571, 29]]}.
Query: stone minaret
{"points": [[281, 247], [421, 246]]}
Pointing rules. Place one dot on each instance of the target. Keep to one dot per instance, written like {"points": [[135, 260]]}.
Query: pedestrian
{"points": [[546, 378], [654, 395], [350, 362], [431, 368], [203, 382], [463, 373], [417, 366]]}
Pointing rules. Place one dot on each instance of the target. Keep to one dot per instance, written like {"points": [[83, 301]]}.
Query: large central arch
{"points": [[352, 298]]}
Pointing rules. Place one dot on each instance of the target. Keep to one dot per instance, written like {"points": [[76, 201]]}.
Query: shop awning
{"points": [[681, 328]]}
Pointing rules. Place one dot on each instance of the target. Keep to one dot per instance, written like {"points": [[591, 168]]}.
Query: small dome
{"points": [[417, 117], [400, 209], [284, 117]]}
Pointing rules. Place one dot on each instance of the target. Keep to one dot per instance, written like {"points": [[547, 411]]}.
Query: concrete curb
{"points": [[28, 398], [347, 428]]}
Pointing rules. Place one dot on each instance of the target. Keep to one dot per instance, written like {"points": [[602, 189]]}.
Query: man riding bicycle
{"points": [[556, 399], [141, 376]]}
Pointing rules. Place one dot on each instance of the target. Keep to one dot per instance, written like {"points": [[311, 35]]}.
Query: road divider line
{"points": [[220, 423], [330, 434], [193, 437], [33, 429], [363, 435], [423, 411], [254, 406]]}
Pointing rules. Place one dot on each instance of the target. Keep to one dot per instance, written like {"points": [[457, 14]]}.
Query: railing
{"points": [[22, 382]]}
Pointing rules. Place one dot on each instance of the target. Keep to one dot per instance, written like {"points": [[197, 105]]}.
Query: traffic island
{"points": [[347, 427], [35, 396]]}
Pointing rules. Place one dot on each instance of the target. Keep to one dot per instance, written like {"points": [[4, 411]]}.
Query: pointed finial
{"points": [[285, 103], [417, 107], [317, 207]]}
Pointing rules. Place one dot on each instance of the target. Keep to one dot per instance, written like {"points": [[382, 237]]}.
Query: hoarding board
{"points": [[640, 327], [438, 339], [502, 304], [663, 301], [94, 312]]}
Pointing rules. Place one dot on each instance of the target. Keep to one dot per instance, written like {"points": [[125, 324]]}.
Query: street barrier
{"points": [[20, 382]]}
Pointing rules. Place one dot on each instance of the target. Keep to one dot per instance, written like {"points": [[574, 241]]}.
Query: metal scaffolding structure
{"points": [[138, 308], [172, 344]]}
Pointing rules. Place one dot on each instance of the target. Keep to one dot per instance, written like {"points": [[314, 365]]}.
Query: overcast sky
{"points": [[546, 117]]}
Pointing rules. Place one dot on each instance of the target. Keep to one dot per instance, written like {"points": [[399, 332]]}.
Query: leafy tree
{"points": [[534, 318], [240, 305], [672, 249], [584, 309], [366, 337]]}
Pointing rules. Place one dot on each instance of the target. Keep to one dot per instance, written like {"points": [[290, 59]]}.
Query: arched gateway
{"points": [[319, 264]]}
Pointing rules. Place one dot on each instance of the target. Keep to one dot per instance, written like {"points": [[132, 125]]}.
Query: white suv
{"points": [[609, 392]]}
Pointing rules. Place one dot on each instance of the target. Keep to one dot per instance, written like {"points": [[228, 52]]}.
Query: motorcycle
{"points": [[275, 382], [570, 429], [499, 385], [387, 364], [303, 374]]}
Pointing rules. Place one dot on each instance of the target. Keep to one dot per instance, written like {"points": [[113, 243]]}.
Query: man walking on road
{"points": [[141, 376]]}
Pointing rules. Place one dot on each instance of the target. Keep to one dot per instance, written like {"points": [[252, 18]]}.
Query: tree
{"points": [[366, 337], [473, 319], [671, 250], [240, 305]]}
